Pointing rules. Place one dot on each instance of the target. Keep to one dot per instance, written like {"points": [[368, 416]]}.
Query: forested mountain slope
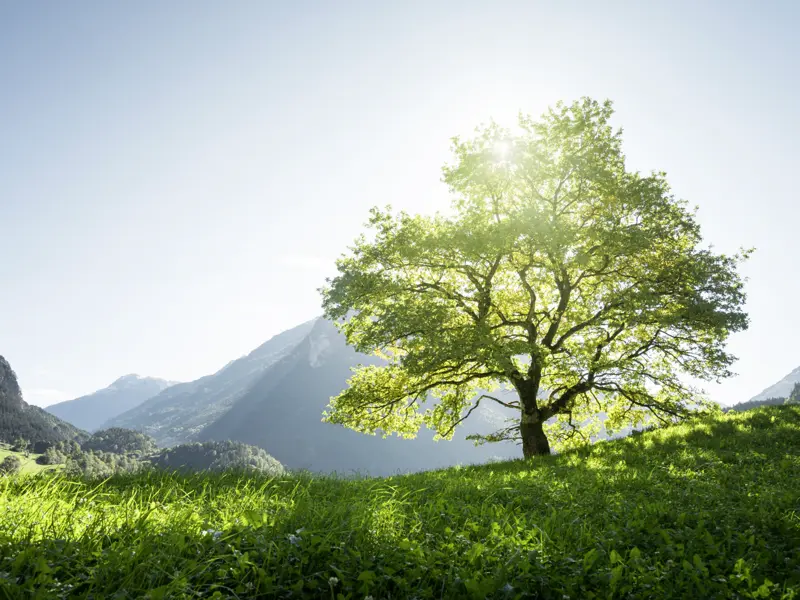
{"points": [[282, 413], [19, 420], [178, 413]]}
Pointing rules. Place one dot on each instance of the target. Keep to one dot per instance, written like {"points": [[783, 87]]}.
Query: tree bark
{"points": [[534, 439]]}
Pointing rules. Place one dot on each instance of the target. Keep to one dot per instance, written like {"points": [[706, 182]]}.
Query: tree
{"points": [[21, 445], [558, 273], [11, 464]]}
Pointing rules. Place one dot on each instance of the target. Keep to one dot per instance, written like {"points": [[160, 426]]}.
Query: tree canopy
{"points": [[118, 440], [559, 274]]}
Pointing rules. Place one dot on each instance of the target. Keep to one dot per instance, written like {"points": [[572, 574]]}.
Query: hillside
{"points": [[179, 412], [91, 411], [702, 510], [18, 419], [282, 413], [28, 462]]}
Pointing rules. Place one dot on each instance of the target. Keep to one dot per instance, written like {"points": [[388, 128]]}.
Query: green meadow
{"points": [[28, 463], [706, 509]]}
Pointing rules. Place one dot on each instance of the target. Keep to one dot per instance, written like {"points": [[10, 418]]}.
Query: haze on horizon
{"points": [[176, 179]]}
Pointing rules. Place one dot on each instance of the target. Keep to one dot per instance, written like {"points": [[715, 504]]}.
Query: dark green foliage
{"points": [[52, 456], [105, 453], [217, 456], [703, 510], [58, 453], [11, 464], [21, 445], [34, 425], [93, 464], [64, 446], [118, 450], [121, 441]]}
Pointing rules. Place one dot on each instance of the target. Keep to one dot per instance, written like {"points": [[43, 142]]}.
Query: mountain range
{"points": [[274, 398], [178, 413], [91, 411]]}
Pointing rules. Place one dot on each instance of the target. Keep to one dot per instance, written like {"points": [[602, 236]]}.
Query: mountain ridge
{"points": [[780, 389], [18, 419], [286, 418], [274, 398], [176, 414], [90, 411]]}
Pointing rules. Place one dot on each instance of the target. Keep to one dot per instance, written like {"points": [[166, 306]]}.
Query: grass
{"points": [[29, 465], [708, 509]]}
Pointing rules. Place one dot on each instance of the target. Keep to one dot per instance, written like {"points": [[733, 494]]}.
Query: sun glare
{"points": [[502, 149]]}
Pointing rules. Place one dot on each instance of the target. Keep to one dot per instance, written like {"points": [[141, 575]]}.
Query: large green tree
{"points": [[558, 274]]}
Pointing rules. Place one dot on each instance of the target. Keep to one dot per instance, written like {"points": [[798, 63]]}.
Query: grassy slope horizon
{"points": [[706, 509]]}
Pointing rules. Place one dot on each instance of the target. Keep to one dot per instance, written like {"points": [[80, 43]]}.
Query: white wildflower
{"points": [[212, 532], [293, 539], [332, 581]]}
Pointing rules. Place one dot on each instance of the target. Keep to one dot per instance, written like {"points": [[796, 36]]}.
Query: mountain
{"points": [[776, 394], [274, 398], [91, 411], [179, 412], [20, 420], [782, 389], [282, 411]]}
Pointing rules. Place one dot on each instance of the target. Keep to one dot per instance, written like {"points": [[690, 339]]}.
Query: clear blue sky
{"points": [[176, 178]]}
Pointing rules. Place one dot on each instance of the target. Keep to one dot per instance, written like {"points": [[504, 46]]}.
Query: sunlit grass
{"points": [[28, 463], [703, 510]]}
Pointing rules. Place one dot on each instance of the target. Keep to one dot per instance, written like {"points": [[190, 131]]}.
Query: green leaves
{"points": [[557, 269]]}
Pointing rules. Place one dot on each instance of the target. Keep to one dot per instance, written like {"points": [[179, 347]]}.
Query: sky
{"points": [[177, 178]]}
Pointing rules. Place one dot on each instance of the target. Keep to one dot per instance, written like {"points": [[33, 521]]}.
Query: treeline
{"points": [[118, 450], [217, 456]]}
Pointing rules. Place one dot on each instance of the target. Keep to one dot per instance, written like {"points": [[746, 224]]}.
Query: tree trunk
{"points": [[534, 440]]}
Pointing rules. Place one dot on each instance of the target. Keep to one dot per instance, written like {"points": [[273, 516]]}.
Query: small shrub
{"points": [[11, 464]]}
